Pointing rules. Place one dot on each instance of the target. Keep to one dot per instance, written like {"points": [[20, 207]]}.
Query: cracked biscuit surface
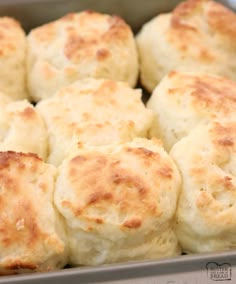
{"points": [[198, 35], [77, 46], [183, 100], [94, 112], [12, 59], [32, 234], [206, 158], [118, 202], [22, 128]]}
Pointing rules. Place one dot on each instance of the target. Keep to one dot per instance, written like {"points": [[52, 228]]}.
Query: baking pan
{"points": [[186, 269], [189, 269], [32, 13]]}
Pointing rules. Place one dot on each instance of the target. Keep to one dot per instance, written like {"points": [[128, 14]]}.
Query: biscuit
{"points": [[205, 219], [118, 202], [12, 58], [32, 233], [95, 112], [22, 129], [77, 46], [199, 35], [182, 100]]}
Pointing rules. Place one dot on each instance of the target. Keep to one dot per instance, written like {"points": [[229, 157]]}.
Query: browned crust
{"points": [[185, 33], [7, 157], [10, 34], [218, 17], [106, 181], [222, 20], [184, 10], [19, 218], [224, 135], [212, 95], [78, 46]]}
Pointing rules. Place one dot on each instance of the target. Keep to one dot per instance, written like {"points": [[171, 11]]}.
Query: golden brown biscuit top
{"points": [[199, 22], [18, 221], [224, 136], [223, 21], [25, 195], [27, 114], [210, 95], [123, 185], [84, 34], [11, 33], [219, 18], [92, 105], [207, 204], [217, 178]]}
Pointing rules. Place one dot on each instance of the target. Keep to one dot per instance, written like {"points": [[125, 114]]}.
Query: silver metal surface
{"points": [[199, 269], [35, 12], [216, 268], [230, 3]]}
